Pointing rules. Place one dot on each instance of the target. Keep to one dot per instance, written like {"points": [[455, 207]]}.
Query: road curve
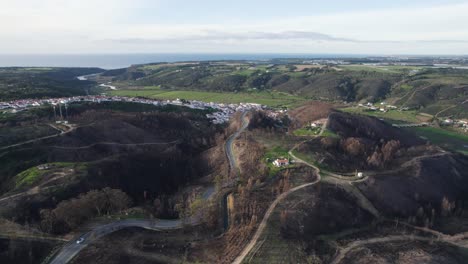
{"points": [[230, 142], [71, 249]]}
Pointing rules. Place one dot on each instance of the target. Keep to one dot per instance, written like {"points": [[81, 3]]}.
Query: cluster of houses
{"points": [[222, 115], [227, 110], [460, 123], [384, 107]]}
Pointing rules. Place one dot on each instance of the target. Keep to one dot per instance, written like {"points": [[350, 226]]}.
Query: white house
{"points": [[281, 162], [314, 125]]}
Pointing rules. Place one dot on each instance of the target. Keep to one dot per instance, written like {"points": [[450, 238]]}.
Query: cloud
{"points": [[217, 36], [210, 35], [28, 26]]}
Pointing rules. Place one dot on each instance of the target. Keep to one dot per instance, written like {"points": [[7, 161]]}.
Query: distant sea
{"points": [[115, 61]]}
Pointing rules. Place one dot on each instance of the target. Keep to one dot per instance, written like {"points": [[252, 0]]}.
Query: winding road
{"points": [[230, 142], [71, 249]]}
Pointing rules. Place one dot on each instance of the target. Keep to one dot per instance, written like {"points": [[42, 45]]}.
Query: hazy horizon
{"points": [[114, 61]]}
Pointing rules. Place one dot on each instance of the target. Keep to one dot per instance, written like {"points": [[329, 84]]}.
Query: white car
{"points": [[80, 240]]}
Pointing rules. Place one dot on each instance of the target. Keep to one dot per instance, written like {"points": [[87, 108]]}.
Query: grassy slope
{"points": [[392, 116], [444, 138], [272, 99], [34, 175]]}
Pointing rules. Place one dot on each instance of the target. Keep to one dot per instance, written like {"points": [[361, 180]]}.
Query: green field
{"points": [[329, 133], [34, 175], [303, 132], [273, 154], [393, 116], [273, 99], [443, 137], [382, 69]]}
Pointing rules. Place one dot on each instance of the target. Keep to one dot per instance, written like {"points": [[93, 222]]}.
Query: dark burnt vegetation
{"points": [[315, 213], [69, 214], [147, 155], [20, 83], [423, 191], [364, 143], [408, 178]]}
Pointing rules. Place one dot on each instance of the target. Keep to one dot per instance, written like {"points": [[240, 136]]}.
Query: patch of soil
{"points": [[407, 252], [309, 112], [318, 210]]}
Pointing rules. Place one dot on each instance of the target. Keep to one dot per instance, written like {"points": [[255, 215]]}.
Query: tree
{"points": [[389, 149], [71, 213], [354, 146], [376, 159]]}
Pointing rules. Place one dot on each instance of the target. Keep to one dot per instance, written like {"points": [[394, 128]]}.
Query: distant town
{"points": [[222, 115]]}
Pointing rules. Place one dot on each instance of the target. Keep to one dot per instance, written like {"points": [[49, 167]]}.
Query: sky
{"points": [[429, 27]]}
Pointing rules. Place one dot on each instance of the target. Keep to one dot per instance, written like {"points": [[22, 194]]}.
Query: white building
{"points": [[281, 162]]}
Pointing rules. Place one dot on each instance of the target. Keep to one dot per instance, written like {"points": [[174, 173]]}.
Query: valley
{"points": [[236, 162]]}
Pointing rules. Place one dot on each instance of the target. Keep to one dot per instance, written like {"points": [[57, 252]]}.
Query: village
{"points": [[461, 124], [222, 115]]}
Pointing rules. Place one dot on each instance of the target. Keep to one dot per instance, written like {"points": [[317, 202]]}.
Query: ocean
{"points": [[115, 61]]}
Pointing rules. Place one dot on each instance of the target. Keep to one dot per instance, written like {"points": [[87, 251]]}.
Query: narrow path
{"points": [[363, 202], [38, 139], [38, 189], [34, 190], [272, 207], [33, 237], [118, 144], [267, 215]]}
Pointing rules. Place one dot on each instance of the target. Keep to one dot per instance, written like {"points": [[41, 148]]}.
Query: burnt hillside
{"points": [[348, 125]]}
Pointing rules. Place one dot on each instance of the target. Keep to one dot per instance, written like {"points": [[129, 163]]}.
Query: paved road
{"points": [[71, 249], [228, 146]]}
